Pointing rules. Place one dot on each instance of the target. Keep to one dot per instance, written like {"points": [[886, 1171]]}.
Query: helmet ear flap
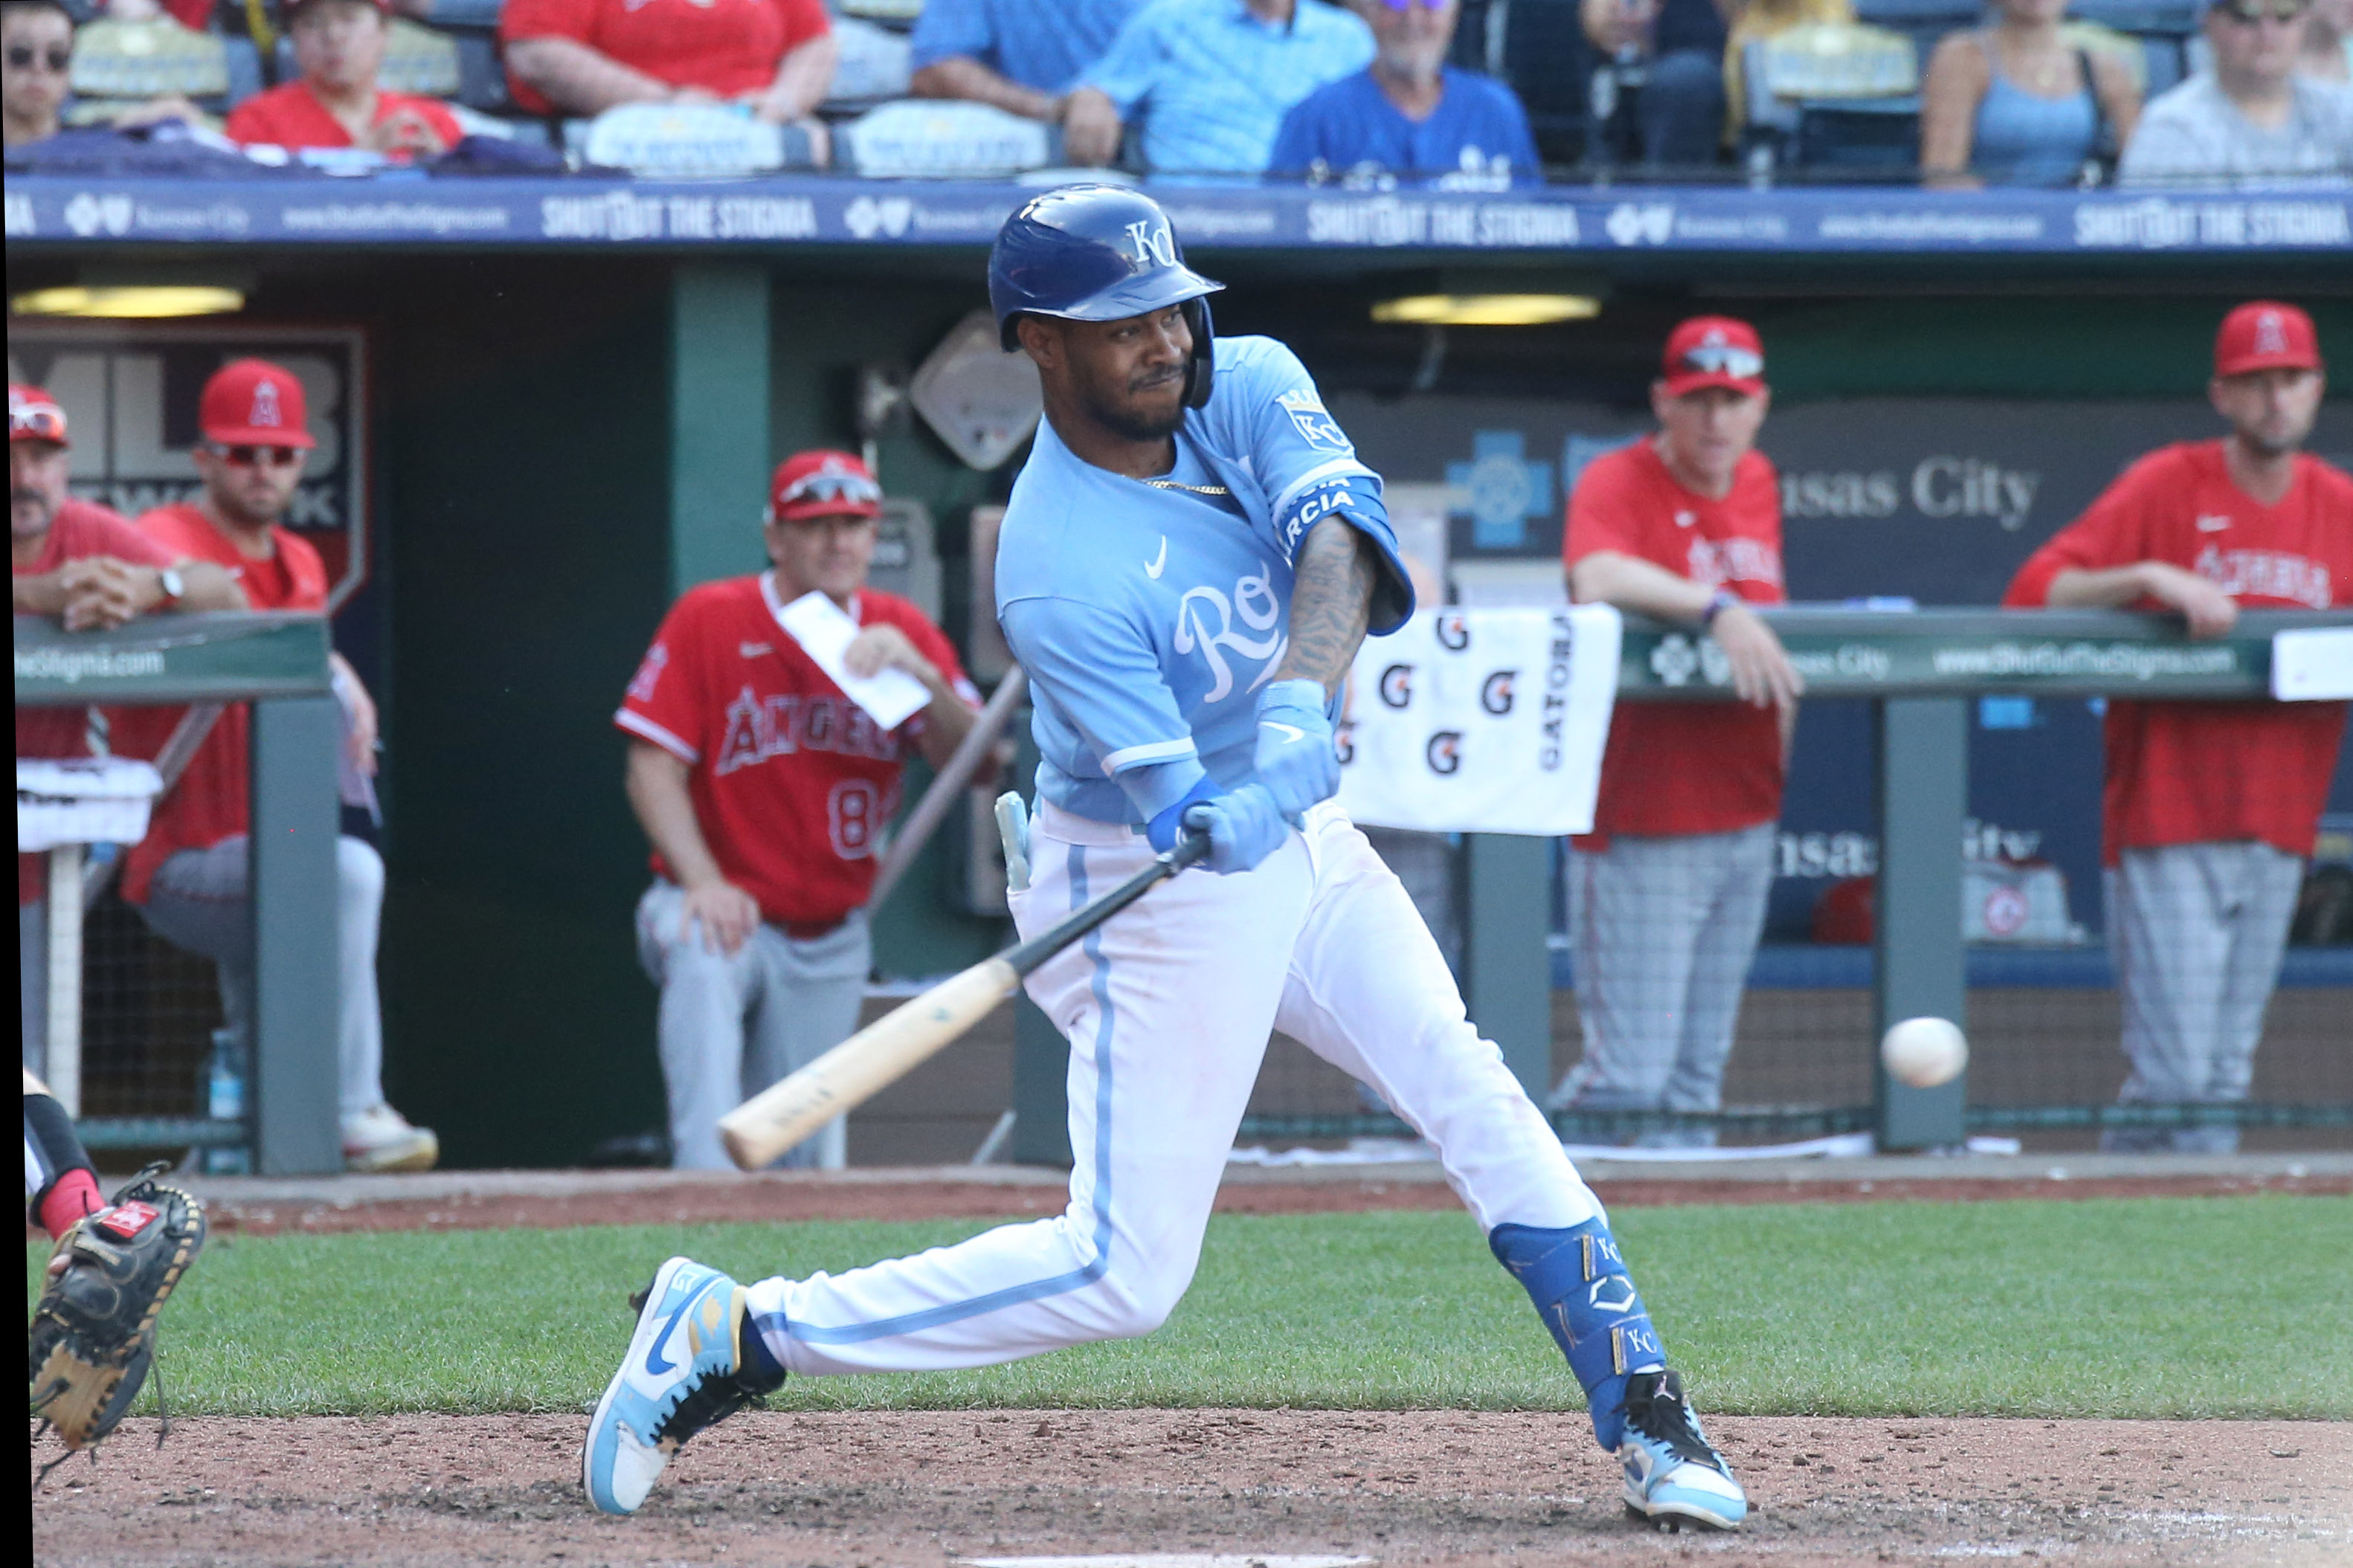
{"points": [[1202, 369]]}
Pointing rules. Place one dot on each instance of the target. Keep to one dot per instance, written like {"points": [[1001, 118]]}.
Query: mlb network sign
{"points": [[130, 393]]}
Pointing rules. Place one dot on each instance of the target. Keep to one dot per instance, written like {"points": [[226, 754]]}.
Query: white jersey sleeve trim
{"points": [[1157, 752], [638, 723], [1317, 474]]}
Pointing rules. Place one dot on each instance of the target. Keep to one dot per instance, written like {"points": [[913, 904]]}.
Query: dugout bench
{"points": [[1920, 669], [278, 664]]}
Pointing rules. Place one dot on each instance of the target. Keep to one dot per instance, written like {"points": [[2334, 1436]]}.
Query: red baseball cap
{"points": [[2264, 334], [823, 484], [252, 402], [1715, 351], [35, 416]]}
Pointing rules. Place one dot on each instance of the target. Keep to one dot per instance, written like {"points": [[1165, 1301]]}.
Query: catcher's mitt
{"points": [[93, 1335]]}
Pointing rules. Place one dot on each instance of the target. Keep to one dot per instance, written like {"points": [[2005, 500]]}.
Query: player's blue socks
{"points": [[1586, 1298]]}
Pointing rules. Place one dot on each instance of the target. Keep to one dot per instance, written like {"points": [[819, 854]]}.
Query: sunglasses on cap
{"points": [[1723, 359], [260, 456], [36, 423], [856, 488], [22, 55], [2250, 13]]}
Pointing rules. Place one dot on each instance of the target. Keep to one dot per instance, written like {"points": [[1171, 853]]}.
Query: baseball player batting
{"points": [[1188, 563]]}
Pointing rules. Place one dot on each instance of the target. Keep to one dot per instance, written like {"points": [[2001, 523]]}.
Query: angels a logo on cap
{"points": [[265, 403], [2271, 333]]}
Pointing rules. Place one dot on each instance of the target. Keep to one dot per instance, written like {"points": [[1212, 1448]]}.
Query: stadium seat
{"points": [[937, 138], [119, 65], [1859, 137], [899, 14], [1833, 99]]}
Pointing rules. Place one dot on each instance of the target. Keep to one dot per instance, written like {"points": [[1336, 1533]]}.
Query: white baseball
{"points": [[1924, 1052]]}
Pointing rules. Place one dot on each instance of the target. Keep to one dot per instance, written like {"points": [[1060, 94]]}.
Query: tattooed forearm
{"points": [[1331, 603]]}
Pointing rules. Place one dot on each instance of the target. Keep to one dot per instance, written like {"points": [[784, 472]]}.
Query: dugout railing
{"points": [[1919, 672], [279, 663]]}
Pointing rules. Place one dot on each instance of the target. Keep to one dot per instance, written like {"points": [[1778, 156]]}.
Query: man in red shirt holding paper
{"points": [[2211, 807], [765, 789], [79, 561], [190, 876], [339, 45], [1666, 896]]}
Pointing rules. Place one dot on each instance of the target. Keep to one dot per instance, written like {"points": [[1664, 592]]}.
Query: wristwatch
{"points": [[174, 587], [1721, 600]]}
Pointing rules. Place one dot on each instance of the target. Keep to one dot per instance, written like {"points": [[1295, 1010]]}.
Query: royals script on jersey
{"points": [[1148, 617]]}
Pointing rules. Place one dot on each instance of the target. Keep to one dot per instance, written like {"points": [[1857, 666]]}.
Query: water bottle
{"points": [[225, 1102]]}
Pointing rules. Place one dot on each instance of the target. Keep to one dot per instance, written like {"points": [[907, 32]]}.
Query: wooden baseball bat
{"points": [[887, 1049]]}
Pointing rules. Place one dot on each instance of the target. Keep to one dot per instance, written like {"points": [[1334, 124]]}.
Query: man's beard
{"points": [[1132, 424], [245, 515], [17, 498]]}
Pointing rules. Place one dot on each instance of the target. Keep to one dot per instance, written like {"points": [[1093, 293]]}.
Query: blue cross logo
{"points": [[1506, 490]]}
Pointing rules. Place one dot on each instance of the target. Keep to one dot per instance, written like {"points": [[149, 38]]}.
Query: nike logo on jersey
{"points": [[751, 649], [1290, 732], [2211, 524], [1158, 564]]}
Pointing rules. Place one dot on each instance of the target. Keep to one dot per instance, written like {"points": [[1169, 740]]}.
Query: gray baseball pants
{"points": [[733, 1024], [201, 900], [2197, 931], [1663, 930]]}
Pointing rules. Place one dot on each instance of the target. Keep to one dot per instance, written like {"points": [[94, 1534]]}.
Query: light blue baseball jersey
{"points": [[1148, 618]]}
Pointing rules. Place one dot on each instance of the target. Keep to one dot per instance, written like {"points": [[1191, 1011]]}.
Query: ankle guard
{"points": [[1587, 1299]]}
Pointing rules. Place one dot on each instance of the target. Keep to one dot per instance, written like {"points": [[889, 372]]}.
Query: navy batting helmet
{"points": [[1097, 253]]}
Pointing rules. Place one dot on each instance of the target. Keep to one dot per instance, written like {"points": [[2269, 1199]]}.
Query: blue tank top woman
{"points": [[2025, 139]]}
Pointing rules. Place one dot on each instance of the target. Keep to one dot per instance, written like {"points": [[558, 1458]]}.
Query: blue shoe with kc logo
{"points": [[685, 1370]]}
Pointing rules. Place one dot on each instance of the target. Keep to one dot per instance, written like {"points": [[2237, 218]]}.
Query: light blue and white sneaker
{"points": [[1673, 1475], [684, 1371]]}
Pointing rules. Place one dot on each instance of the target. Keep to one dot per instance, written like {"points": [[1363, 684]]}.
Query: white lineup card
{"points": [[1481, 721], [825, 630], [2313, 664]]}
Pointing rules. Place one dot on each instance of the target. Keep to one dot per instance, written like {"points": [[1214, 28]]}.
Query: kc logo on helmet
{"points": [[1151, 245], [1397, 685], [1495, 692], [1444, 752]]}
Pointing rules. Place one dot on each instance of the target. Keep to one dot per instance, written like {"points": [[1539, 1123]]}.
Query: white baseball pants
{"points": [[733, 1023], [1663, 930], [1167, 1008], [201, 900], [2197, 931]]}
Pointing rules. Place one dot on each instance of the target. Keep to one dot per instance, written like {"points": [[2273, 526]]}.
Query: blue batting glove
{"points": [[1296, 759], [1244, 829]]}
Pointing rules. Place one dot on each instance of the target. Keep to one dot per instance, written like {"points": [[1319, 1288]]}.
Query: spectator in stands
{"points": [[774, 58], [1681, 112], [1021, 56], [1666, 898], [1409, 115], [37, 36], [2328, 52], [339, 44], [88, 567], [1210, 80], [2252, 119], [763, 789], [2211, 807], [2020, 103], [190, 876]]}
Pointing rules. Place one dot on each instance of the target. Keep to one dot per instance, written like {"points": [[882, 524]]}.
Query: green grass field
{"points": [[2193, 1307]]}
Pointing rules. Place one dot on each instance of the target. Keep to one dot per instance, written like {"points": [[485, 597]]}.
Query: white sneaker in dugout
{"points": [[380, 1139]]}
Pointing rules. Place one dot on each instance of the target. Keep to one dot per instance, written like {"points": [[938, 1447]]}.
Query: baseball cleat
{"points": [[684, 1371], [1673, 1475], [380, 1140]]}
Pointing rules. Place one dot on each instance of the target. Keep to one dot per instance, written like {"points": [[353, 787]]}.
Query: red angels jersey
{"points": [[80, 530], [212, 800], [1684, 767], [792, 782], [2199, 773]]}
